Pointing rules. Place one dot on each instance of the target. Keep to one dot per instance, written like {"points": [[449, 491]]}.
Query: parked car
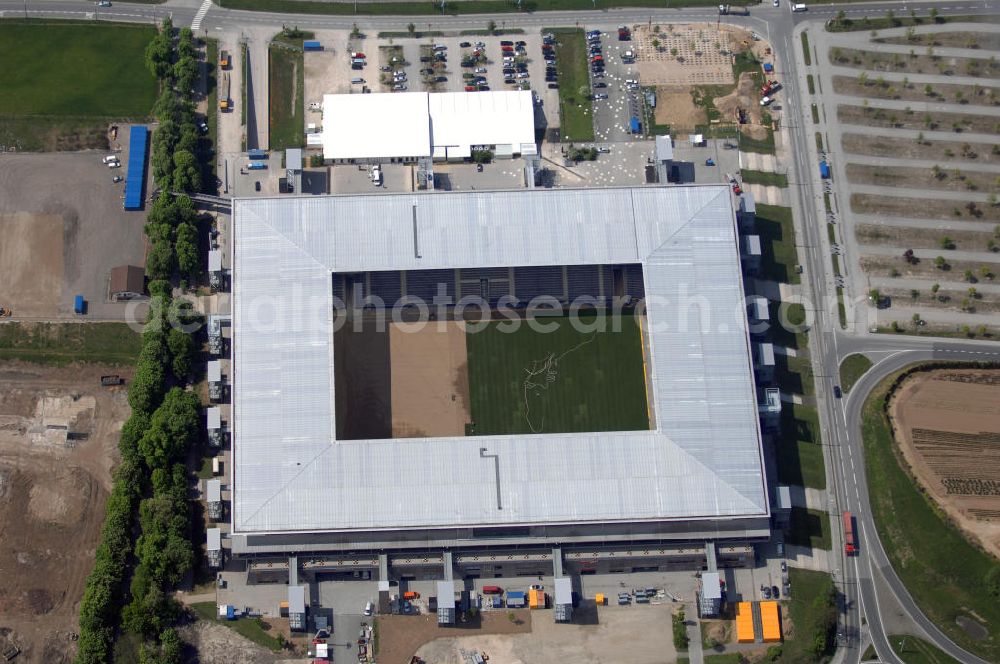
{"points": [[774, 592], [480, 70], [399, 86], [553, 86], [600, 84], [116, 179], [465, 45], [506, 43], [598, 97]]}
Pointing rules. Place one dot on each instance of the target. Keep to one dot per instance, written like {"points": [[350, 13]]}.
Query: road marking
{"points": [[205, 6]]}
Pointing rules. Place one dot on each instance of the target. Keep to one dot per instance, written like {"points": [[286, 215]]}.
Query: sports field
{"points": [[561, 381], [60, 74]]}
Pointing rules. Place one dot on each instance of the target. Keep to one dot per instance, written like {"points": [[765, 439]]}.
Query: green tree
{"points": [[160, 261], [491, 27], [183, 352], [187, 172], [147, 387], [412, 29], [173, 427], [186, 246]]}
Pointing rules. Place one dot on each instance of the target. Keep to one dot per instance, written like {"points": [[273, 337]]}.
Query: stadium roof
{"points": [[703, 459], [420, 124]]}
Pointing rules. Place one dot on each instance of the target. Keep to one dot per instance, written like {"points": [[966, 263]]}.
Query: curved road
{"points": [[896, 353]]}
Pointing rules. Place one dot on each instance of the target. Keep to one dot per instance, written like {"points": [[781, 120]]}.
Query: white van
{"points": [[369, 608], [110, 158], [798, 7], [357, 81]]}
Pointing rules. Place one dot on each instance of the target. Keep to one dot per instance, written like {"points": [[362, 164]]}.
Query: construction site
{"points": [[58, 441]]}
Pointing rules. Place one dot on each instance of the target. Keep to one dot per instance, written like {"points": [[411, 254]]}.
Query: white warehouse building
{"points": [[406, 126]]}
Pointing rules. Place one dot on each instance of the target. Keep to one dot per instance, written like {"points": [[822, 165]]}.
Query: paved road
{"points": [[891, 354]]}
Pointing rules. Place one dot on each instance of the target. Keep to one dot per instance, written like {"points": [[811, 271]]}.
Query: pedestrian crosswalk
{"points": [[205, 6]]}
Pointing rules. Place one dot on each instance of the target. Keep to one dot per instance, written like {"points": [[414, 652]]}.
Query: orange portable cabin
{"points": [[770, 620], [744, 623], [536, 599]]}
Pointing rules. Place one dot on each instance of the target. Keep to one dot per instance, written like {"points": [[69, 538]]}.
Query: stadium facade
{"points": [[697, 475]]}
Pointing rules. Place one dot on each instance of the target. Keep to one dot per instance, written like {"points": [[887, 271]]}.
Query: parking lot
{"points": [[64, 228]]}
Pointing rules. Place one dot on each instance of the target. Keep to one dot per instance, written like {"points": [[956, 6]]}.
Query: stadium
{"points": [[492, 371]]}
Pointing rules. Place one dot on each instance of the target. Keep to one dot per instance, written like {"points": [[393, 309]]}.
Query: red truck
{"points": [[850, 538], [492, 590]]}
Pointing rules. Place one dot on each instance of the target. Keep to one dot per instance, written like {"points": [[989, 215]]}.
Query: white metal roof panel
{"points": [[465, 119], [710, 586], [213, 490], [703, 460], [376, 126], [214, 371], [564, 590], [296, 599], [446, 594], [213, 539], [214, 417]]}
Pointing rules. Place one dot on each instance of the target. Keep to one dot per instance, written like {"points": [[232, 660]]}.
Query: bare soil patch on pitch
{"points": [[947, 424], [430, 379]]}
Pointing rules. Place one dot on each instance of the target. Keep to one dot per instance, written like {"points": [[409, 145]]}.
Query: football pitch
{"points": [[562, 381]]}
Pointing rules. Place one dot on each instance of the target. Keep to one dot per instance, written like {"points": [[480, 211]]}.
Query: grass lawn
{"points": [[806, 54], [247, 627], [764, 178], [800, 453], [286, 75], [811, 83], [812, 617], [777, 239], [882, 22], [946, 575], [576, 116], [913, 650], [809, 528], [60, 80], [851, 369], [727, 658], [757, 145], [561, 381], [63, 343]]}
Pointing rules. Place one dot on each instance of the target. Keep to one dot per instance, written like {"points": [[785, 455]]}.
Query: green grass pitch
{"points": [[557, 382], [78, 70]]}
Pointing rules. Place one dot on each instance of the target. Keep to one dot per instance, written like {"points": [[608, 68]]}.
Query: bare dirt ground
{"points": [[963, 94], [52, 493], [907, 148], [745, 96], [617, 635], [31, 263], [430, 380], [899, 206], [688, 54], [947, 424], [675, 107], [217, 644], [402, 636], [989, 41], [922, 178], [958, 122]]}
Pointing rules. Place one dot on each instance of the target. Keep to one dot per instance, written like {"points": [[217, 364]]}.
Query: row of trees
{"points": [[164, 423], [178, 156], [151, 482]]}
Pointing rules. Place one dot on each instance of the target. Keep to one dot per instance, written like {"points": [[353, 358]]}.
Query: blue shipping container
{"points": [[135, 178], [257, 154], [257, 165], [824, 170], [79, 304], [635, 126], [768, 68], [312, 46]]}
